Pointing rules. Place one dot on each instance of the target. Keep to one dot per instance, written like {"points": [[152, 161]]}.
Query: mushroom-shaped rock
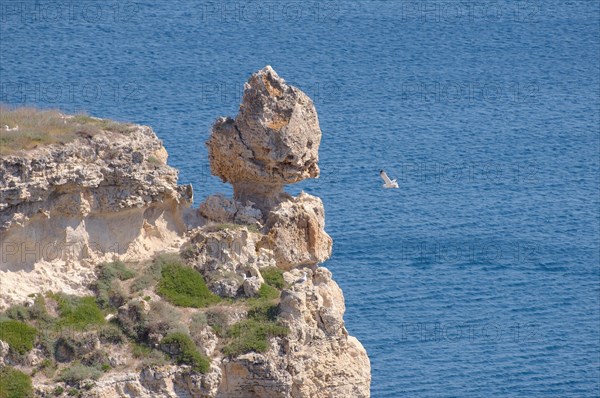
{"points": [[274, 140]]}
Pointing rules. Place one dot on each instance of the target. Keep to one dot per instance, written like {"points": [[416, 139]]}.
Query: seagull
{"points": [[388, 183], [302, 279]]}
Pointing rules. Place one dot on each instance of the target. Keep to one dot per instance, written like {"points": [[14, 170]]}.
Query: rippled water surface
{"points": [[479, 277]]}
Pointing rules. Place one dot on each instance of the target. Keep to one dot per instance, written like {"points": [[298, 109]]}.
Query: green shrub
{"points": [[97, 359], [140, 351], [273, 276], [18, 313], [38, 310], [79, 312], [19, 336], [252, 335], [181, 347], [73, 392], [14, 384], [267, 292], [185, 287], [261, 310], [115, 270], [78, 372], [58, 391]]}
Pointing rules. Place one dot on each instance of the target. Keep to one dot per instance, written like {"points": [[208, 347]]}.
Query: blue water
{"points": [[480, 276]]}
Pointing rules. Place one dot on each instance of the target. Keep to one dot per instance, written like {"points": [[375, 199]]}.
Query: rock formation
{"points": [[65, 207], [274, 140], [117, 188]]}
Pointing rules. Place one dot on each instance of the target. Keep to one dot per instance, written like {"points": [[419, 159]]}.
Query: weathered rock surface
{"points": [[65, 207], [317, 359], [116, 188], [274, 140], [296, 232]]}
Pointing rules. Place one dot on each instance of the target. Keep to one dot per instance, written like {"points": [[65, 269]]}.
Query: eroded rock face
{"points": [[296, 232], [317, 359], [64, 208], [229, 260], [274, 140]]}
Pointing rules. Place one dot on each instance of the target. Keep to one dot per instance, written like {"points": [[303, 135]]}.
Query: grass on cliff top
{"points": [[38, 127]]}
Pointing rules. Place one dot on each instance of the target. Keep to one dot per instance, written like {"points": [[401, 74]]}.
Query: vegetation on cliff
{"points": [[26, 128], [14, 383]]}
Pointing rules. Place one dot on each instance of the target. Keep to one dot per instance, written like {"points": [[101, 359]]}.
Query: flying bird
{"points": [[388, 183]]}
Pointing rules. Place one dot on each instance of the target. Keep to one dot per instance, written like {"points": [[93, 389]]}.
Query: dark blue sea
{"points": [[479, 277]]}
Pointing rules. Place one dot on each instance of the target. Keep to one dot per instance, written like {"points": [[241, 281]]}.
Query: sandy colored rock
{"points": [[274, 140], [64, 208], [296, 232]]}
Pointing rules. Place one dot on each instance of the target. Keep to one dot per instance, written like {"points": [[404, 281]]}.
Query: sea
{"points": [[480, 275]]}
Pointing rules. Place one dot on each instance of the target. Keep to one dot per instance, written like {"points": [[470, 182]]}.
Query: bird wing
{"points": [[385, 177]]}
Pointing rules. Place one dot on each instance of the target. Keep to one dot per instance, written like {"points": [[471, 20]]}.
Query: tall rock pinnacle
{"points": [[274, 140]]}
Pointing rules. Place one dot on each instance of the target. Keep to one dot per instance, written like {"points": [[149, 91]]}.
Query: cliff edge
{"points": [[163, 300]]}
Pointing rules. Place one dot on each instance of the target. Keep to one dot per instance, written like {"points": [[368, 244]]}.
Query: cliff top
{"points": [[28, 128]]}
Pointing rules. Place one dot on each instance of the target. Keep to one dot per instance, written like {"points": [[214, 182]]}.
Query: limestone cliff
{"points": [[64, 208], [112, 196]]}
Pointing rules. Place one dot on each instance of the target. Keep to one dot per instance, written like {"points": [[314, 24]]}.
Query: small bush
{"points": [[14, 384], [79, 312], [181, 347], [18, 313], [267, 292], [252, 335], [273, 276], [73, 392], [78, 372], [19, 336], [58, 391], [185, 287], [38, 310], [97, 359], [263, 311], [198, 322], [72, 346], [115, 270]]}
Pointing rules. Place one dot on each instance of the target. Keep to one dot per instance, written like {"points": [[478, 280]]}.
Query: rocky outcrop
{"points": [[117, 188], [65, 207], [274, 140], [317, 359], [296, 233]]}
